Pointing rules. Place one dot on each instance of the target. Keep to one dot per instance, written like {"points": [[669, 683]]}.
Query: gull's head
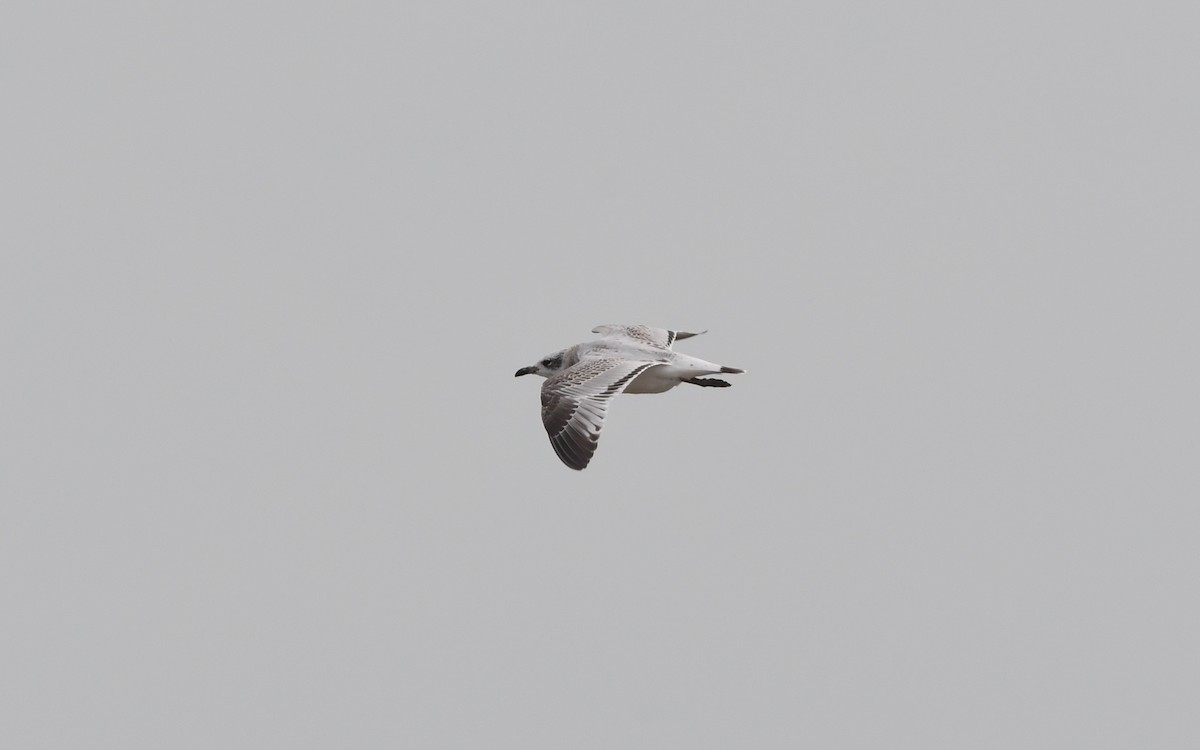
{"points": [[549, 365]]}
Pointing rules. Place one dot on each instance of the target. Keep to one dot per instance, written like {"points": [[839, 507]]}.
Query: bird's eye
{"points": [[551, 363]]}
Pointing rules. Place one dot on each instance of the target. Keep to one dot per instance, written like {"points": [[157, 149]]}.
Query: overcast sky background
{"points": [[268, 270]]}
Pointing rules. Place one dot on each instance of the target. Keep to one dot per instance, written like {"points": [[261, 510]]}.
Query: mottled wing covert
{"points": [[660, 337]]}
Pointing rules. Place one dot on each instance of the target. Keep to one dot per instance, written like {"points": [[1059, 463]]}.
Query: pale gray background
{"points": [[268, 481]]}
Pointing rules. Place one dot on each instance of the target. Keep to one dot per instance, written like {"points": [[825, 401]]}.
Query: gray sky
{"points": [[269, 482]]}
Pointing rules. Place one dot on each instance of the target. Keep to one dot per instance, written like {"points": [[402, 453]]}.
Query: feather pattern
{"points": [[575, 402]]}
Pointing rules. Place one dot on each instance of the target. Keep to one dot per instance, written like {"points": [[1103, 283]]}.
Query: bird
{"points": [[582, 379]]}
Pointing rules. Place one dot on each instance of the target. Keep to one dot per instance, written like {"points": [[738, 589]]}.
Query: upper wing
{"points": [[575, 401], [660, 337]]}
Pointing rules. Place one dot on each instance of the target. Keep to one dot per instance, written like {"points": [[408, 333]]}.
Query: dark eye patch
{"points": [[553, 363]]}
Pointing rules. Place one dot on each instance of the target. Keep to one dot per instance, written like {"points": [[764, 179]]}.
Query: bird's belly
{"points": [[655, 380]]}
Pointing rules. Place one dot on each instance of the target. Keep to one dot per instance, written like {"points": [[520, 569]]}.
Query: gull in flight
{"points": [[582, 379]]}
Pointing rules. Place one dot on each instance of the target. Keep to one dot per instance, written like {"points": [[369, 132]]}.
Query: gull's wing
{"points": [[575, 401], [659, 337]]}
